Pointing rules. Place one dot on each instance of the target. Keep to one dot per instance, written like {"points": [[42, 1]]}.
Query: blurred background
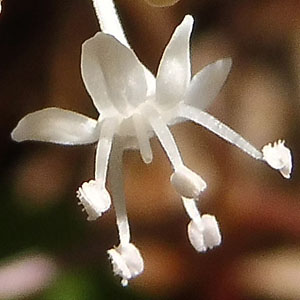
{"points": [[49, 251]]}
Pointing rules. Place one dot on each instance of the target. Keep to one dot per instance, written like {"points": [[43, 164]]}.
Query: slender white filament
{"points": [[191, 209], [164, 135], [109, 20], [117, 191], [211, 123], [143, 139], [103, 149]]}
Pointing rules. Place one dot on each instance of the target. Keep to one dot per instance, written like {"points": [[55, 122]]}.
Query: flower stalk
{"points": [[109, 20]]}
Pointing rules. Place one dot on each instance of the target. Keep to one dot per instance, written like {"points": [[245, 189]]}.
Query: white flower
{"points": [[204, 233], [129, 107], [127, 262], [278, 157], [94, 198], [133, 107]]}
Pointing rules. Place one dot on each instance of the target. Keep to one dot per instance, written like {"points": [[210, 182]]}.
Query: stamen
{"points": [[187, 183], [95, 199], [203, 231], [206, 236], [191, 209], [279, 157], [117, 191], [127, 262], [108, 129], [143, 139], [211, 123], [164, 135]]}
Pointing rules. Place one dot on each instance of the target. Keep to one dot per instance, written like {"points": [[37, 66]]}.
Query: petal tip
{"points": [[224, 65], [228, 62], [18, 133], [14, 135], [189, 19]]}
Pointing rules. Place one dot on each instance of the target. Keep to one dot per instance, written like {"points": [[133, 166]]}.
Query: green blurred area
{"points": [[55, 231]]}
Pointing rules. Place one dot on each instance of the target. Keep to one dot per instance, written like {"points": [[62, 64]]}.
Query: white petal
{"points": [[187, 183], [112, 73], [127, 262], [151, 82], [56, 125], [95, 199], [207, 83], [278, 157], [174, 71], [205, 234]]}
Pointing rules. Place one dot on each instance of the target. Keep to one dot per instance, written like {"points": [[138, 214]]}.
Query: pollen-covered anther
{"points": [[127, 262], [205, 233], [279, 157], [187, 183], [94, 198]]}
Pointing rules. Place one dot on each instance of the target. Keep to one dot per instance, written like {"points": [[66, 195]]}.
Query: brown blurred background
{"points": [[258, 210]]}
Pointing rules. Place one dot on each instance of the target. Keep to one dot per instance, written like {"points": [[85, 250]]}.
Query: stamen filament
{"points": [[117, 191], [143, 139], [103, 149], [191, 209], [211, 123], [164, 135]]}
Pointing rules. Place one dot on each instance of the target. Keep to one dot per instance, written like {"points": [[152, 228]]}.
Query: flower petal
{"points": [[174, 71], [56, 125], [207, 83], [112, 73]]}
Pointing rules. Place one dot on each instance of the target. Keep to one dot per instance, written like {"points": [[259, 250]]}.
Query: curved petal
{"points": [[112, 73], [207, 83], [174, 71], [151, 82], [56, 125], [93, 77]]}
